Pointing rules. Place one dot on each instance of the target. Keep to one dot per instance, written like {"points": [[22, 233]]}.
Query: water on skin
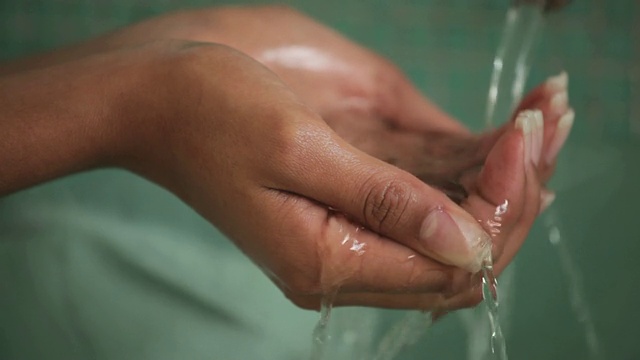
{"points": [[321, 336], [490, 288]]}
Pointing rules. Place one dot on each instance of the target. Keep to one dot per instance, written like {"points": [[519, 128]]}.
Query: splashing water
{"points": [[349, 245], [490, 288]]}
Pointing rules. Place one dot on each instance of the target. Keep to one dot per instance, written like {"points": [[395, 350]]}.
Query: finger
{"points": [[547, 198], [437, 301], [552, 99], [533, 201], [467, 299], [501, 190], [553, 93], [359, 260], [314, 251], [556, 141], [384, 199], [425, 302], [391, 301], [542, 97]]}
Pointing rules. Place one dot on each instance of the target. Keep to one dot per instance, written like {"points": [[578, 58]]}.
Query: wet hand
{"points": [[315, 213], [369, 103], [303, 216]]}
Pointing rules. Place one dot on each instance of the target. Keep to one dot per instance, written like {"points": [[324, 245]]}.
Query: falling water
{"points": [[404, 333], [510, 67], [573, 276], [512, 61], [523, 24], [490, 297], [321, 335]]}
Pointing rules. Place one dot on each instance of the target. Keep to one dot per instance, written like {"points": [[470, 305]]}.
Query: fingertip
{"points": [[454, 237], [500, 190], [557, 83], [563, 128], [503, 171], [559, 102], [547, 198]]}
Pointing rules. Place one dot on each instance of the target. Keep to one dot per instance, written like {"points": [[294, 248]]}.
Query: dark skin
{"points": [[292, 140]]}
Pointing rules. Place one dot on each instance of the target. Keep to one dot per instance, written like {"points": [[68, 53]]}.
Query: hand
{"points": [[369, 103], [356, 106], [228, 137]]}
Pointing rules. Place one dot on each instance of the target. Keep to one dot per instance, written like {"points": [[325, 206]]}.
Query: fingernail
{"points": [[455, 239], [562, 133], [546, 199], [559, 102], [558, 83], [525, 124], [538, 136]]}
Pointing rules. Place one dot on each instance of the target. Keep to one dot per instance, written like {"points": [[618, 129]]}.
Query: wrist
{"points": [[179, 95], [64, 119], [153, 112]]}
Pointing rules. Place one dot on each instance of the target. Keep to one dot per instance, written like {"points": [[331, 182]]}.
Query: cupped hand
{"points": [[371, 105], [314, 212], [284, 171]]}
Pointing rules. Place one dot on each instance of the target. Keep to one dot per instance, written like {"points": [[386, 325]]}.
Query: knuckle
{"points": [[386, 203]]}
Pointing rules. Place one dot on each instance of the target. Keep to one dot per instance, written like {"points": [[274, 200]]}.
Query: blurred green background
{"points": [[105, 265]]}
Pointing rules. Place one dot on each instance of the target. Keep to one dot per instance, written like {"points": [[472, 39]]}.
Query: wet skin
{"points": [[371, 105]]}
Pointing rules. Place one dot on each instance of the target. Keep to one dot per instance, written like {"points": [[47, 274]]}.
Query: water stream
{"points": [[523, 24], [490, 296], [510, 69], [512, 61], [576, 294], [321, 336], [404, 333]]}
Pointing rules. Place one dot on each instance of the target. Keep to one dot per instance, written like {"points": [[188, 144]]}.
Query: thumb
{"points": [[386, 200]]}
